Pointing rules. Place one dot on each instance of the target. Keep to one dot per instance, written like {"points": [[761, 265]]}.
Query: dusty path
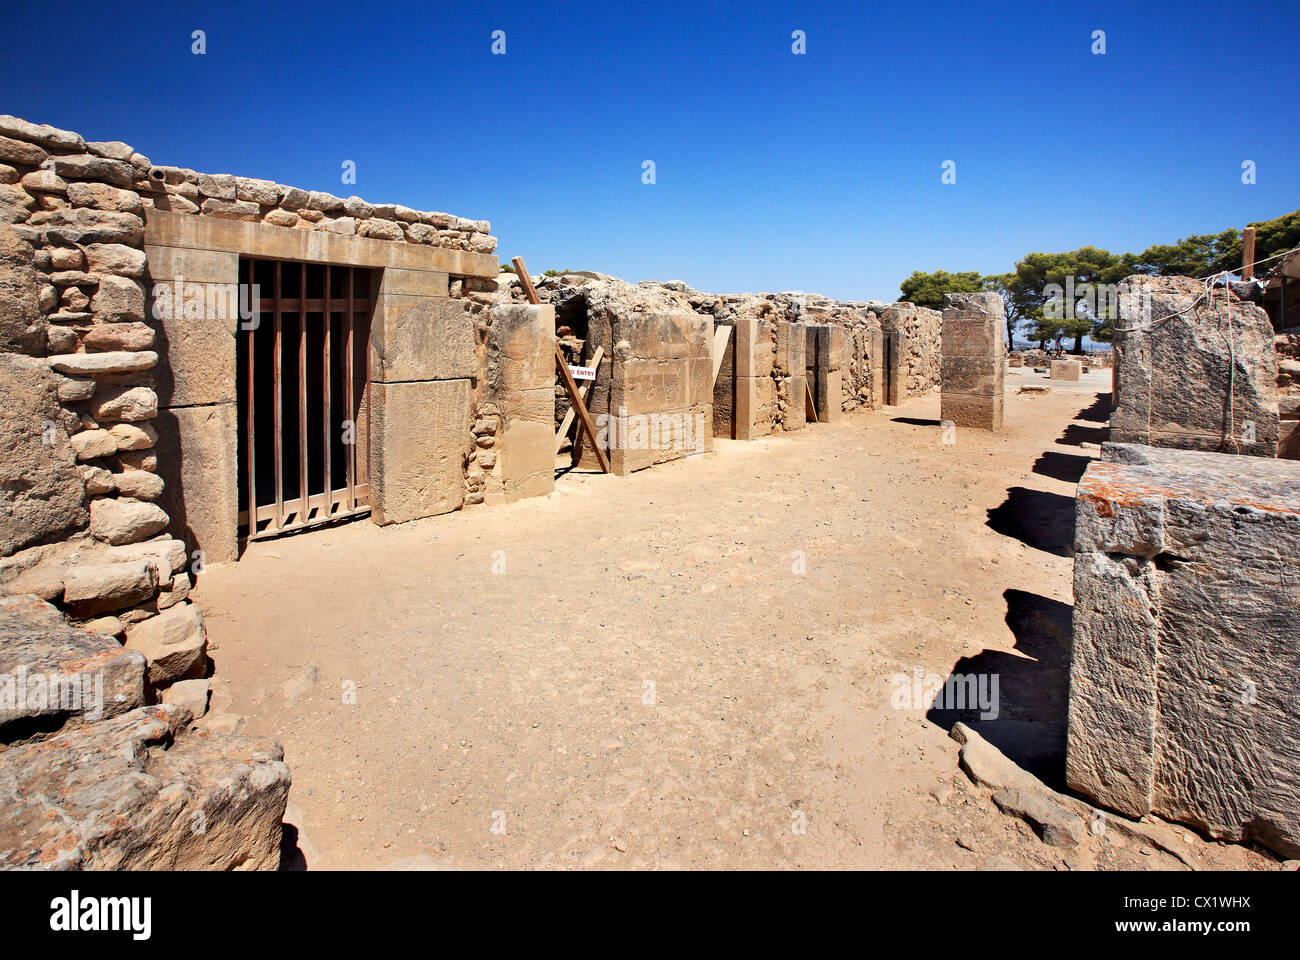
{"points": [[650, 683]]}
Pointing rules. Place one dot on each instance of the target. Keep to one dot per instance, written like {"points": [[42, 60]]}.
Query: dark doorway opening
{"points": [[303, 387]]}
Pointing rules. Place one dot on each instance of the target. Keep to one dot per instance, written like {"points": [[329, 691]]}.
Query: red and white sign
{"points": [[582, 373]]}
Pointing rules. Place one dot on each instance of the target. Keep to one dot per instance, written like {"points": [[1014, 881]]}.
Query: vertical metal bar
{"points": [[327, 427], [302, 391], [250, 444], [352, 407], [279, 409]]}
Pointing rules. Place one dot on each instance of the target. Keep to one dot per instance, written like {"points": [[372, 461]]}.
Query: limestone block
{"points": [[1187, 584], [197, 450], [96, 588], [174, 644], [755, 407], [41, 492], [22, 324], [71, 674], [196, 334], [527, 443], [417, 448], [972, 360], [522, 339], [124, 520], [1066, 369], [421, 338], [1172, 375], [122, 794]]}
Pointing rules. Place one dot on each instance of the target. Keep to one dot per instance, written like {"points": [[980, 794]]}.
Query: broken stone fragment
{"points": [[116, 361], [118, 299], [123, 520], [1055, 825], [174, 644], [95, 588], [131, 793], [190, 695], [70, 674], [140, 484]]}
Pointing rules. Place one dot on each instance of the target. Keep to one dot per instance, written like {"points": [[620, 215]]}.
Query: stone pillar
{"points": [[422, 358], [192, 303], [1066, 369], [755, 392], [824, 369], [521, 385], [877, 364], [791, 367], [973, 358]]}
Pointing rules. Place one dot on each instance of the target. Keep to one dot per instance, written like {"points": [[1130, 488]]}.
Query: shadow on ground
{"points": [[1062, 466], [1025, 692], [1037, 518]]}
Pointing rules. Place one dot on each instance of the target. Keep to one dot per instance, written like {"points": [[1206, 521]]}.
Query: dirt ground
{"points": [[634, 673]]}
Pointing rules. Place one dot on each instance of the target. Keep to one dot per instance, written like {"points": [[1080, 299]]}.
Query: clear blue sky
{"points": [[818, 172]]}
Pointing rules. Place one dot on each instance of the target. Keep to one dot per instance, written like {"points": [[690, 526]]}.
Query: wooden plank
{"points": [[1248, 253], [810, 408], [525, 280], [302, 398], [720, 337], [279, 408], [567, 422]]}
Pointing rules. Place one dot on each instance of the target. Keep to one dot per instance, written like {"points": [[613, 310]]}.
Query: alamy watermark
{"points": [[22, 693], [958, 691]]}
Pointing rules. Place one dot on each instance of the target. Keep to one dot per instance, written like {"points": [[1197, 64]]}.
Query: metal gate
{"points": [[303, 372]]}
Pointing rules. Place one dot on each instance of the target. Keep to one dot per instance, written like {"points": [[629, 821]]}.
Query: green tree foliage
{"points": [[1003, 284], [1068, 294], [927, 289]]}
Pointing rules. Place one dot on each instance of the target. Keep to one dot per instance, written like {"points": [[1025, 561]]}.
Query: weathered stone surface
{"points": [[521, 378], [130, 436], [115, 258], [1054, 824], [197, 337], [417, 443], [118, 336], [174, 643], [140, 484], [189, 695], [95, 588], [67, 674], [118, 299], [22, 324], [89, 167], [116, 361], [41, 492], [87, 225], [124, 403], [972, 363], [93, 444], [1186, 649], [125, 520], [422, 338], [42, 133], [198, 466], [1175, 355], [103, 197], [21, 153], [1066, 369], [121, 795]]}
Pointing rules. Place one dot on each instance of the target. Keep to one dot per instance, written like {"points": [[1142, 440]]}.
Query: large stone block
{"points": [[972, 367], [1191, 374], [526, 443], [1066, 369], [41, 492], [128, 794], [521, 342], [197, 461], [1186, 650], [22, 323], [196, 325], [418, 433], [65, 674], [421, 338]]}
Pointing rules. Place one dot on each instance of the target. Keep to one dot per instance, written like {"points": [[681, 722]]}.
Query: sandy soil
{"points": [[650, 683]]}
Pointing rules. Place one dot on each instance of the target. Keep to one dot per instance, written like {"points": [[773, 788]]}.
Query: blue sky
{"points": [[774, 171]]}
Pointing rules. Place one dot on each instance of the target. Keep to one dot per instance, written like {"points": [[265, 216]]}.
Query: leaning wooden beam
{"points": [[810, 407], [575, 399], [720, 337], [1248, 253], [567, 422]]}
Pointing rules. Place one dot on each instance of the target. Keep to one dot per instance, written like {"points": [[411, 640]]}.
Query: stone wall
{"points": [[765, 368], [117, 370], [1193, 373], [1186, 650], [974, 360]]}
